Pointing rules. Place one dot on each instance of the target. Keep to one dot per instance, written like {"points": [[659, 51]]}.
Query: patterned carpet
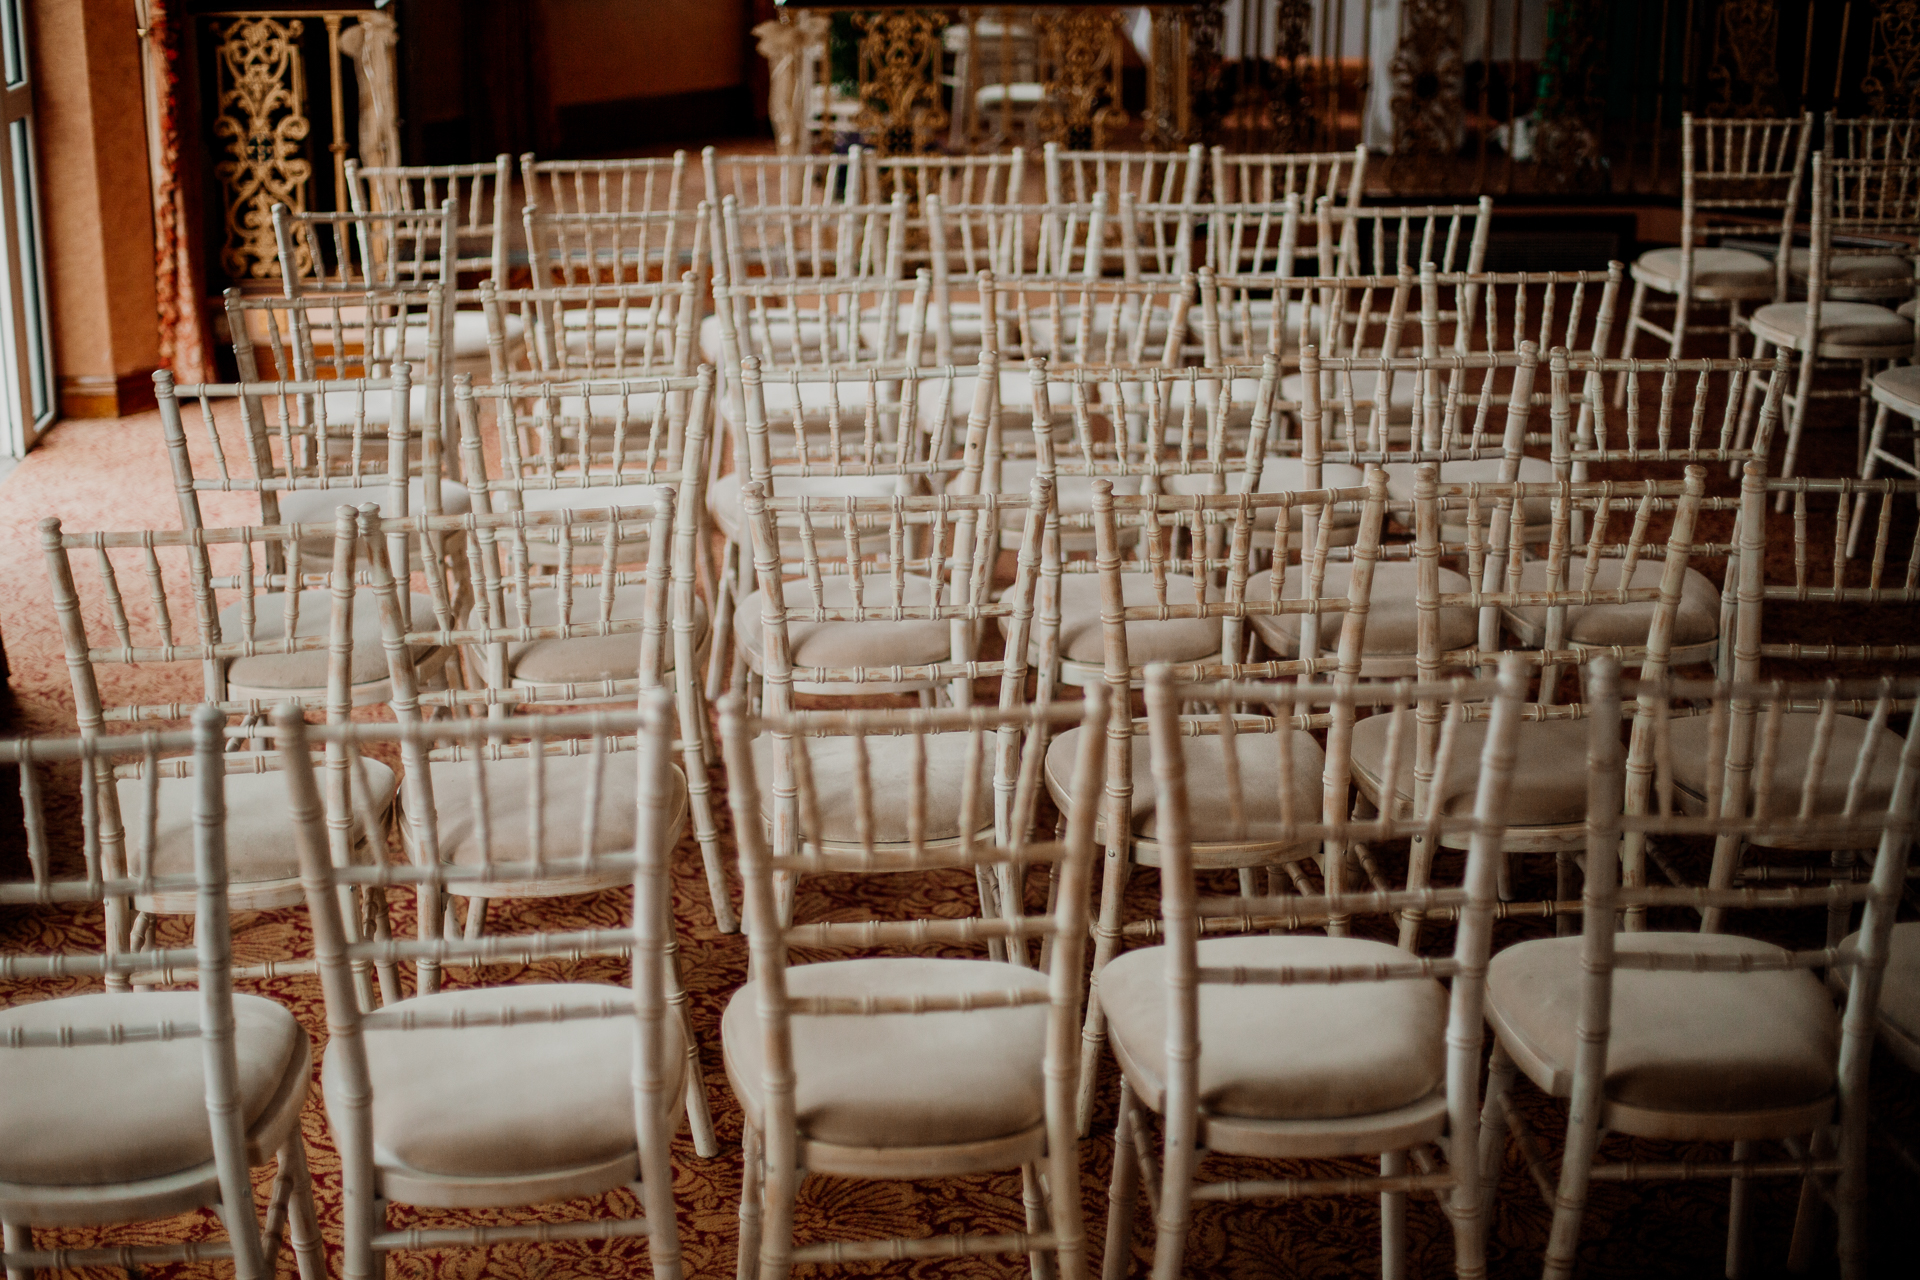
{"points": [[112, 475]]}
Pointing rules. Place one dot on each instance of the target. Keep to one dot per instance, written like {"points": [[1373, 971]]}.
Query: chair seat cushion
{"points": [[1537, 512], [1209, 797], [1392, 614], [890, 766], [375, 407], [1908, 309], [870, 643], [642, 328], [317, 506], [469, 336], [1549, 786], [1900, 388], [1854, 268], [260, 830], [1286, 475], [1083, 639], [307, 670], [1712, 269], [780, 331], [590, 657], [567, 783], [1900, 992], [493, 1101], [724, 503], [1681, 1042], [1792, 759], [95, 1114], [900, 1080], [1856, 324], [1696, 622], [1300, 1052]]}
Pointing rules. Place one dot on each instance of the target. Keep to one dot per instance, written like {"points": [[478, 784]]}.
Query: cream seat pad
{"points": [[1209, 798], [1899, 387], [591, 657], [317, 506], [1287, 475], [1792, 759], [849, 644], [260, 829], [1549, 785], [1696, 622], [1717, 269], [1681, 1042], [308, 669], [890, 766], [1857, 324], [490, 1101], [900, 1080], [1083, 640], [376, 406], [1392, 612], [1854, 268], [568, 783], [469, 336], [724, 502], [97, 1114], [1301, 1052]]}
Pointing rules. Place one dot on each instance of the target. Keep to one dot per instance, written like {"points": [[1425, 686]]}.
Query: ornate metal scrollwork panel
{"points": [[1427, 76], [1746, 46], [1079, 75], [1892, 82], [1572, 106], [900, 107], [260, 119]]}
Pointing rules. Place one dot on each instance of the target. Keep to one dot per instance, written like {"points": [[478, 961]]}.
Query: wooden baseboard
{"points": [[90, 395]]}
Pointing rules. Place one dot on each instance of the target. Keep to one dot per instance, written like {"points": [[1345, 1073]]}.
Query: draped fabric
{"points": [[185, 345]]}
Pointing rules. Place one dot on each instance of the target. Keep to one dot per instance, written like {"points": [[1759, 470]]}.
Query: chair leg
{"points": [[1122, 1192], [19, 1239], [1393, 1219], [1876, 441], [476, 917], [1106, 944], [1493, 1126], [1033, 1195], [303, 1222], [1739, 1205], [1749, 401], [752, 1185], [699, 1118], [706, 832], [1806, 1218], [387, 972]]}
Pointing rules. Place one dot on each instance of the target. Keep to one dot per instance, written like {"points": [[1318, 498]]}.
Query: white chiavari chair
{"points": [[1260, 178], [1615, 594], [1818, 758], [1196, 623], [479, 194], [124, 1106], [1295, 1047], [903, 1064], [1733, 173], [1146, 177], [496, 1097], [1861, 198], [1701, 1038], [1872, 138], [605, 186], [616, 248], [245, 626], [596, 331], [856, 432]]}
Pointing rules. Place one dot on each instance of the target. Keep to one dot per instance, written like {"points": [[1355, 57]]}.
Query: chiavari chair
{"points": [[392, 283], [494, 1097], [1258, 178], [613, 249], [244, 626], [595, 331], [1818, 757], [479, 194], [559, 620], [1736, 176], [1296, 1047], [870, 432], [1145, 177], [124, 1106], [1872, 138], [1699, 1038], [1196, 623], [1614, 594], [1863, 198], [605, 186], [906, 1064]]}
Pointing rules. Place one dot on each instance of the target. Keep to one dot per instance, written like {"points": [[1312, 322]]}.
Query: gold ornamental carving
{"points": [[1892, 83], [1746, 50], [1572, 110], [1427, 74], [260, 119], [900, 109], [1080, 76]]}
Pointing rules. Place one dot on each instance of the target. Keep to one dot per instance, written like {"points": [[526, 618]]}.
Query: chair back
{"points": [[605, 186], [615, 249], [356, 251], [1265, 178], [113, 871], [479, 194], [594, 330], [1872, 138], [955, 180], [1088, 321], [1732, 170], [757, 181], [823, 323], [814, 242]]}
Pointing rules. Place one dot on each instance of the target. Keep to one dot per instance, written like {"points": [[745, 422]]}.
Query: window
{"points": [[26, 364]]}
